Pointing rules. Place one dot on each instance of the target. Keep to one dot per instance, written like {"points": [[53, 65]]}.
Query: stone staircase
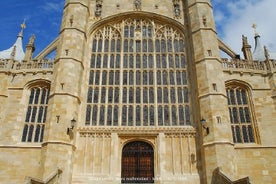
{"points": [[220, 178], [53, 178]]}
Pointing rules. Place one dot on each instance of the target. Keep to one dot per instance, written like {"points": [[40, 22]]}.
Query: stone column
{"points": [[64, 100], [207, 75]]}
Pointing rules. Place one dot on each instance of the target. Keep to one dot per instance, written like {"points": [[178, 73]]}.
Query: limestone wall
{"points": [[18, 162], [15, 106], [256, 160], [98, 156]]}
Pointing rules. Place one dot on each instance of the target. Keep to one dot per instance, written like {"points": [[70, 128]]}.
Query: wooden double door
{"points": [[137, 163]]}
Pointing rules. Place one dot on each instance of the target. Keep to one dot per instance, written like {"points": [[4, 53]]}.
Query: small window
{"points": [[240, 112], [35, 118]]}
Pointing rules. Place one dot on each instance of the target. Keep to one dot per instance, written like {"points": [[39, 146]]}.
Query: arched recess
{"points": [[137, 163]]}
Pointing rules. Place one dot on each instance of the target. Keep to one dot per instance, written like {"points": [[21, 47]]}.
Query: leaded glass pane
{"points": [[110, 95], [124, 115], [103, 94], [40, 114], [151, 115], [138, 116], [25, 133], [100, 42], [98, 62], [138, 95], [112, 45], [172, 94], [37, 133], [145, 115], [102, 116], [37, 95], [109, 116], [138, 61], [174, 115], [30, 133], [92, 61], [160, 115], [166, 115], [88, 115], [116, 116], [245, 136], [130, 116], [181, 115]]}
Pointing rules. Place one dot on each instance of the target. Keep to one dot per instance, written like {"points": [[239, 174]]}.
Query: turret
{"points": [[213, 118], [64, 99], [246, 49]]}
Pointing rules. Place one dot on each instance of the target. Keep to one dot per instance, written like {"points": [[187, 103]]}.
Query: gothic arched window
{"points": [[138, 75], [241, 114], [35, 118]]}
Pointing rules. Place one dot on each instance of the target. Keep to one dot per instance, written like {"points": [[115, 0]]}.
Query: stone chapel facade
{"points": [[137, 93]]}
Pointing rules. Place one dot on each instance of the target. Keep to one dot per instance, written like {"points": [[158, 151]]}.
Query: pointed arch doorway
{"points": [[137, 163]]}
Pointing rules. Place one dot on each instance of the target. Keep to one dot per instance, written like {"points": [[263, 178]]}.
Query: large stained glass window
{"points": [[240, 114], [138, 76]]}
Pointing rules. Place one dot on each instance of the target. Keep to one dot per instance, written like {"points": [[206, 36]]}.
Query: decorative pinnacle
{"points": [[254, 26], [23, 26]]}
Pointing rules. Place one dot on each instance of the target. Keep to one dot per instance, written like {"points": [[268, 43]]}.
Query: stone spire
{"points": [[16, 50]]}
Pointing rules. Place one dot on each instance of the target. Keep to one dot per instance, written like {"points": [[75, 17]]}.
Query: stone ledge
{"points": [[185, 130]]}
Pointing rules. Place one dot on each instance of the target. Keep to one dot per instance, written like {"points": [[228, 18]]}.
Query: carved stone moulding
{"points": [[186, 131]]}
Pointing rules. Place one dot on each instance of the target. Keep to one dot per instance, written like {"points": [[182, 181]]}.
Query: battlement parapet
{"points": [[248, 66], [7, 64]]}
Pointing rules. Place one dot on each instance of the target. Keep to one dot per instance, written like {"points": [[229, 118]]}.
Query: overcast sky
{"points": [[234, 18]]}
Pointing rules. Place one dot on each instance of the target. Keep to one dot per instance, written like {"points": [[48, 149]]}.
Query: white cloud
{"points": [[53, 6], [238, 17]]}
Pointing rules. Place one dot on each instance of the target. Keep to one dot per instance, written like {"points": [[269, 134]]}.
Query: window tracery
{"points": [[240, 112], [139, 71], [35, 118]]}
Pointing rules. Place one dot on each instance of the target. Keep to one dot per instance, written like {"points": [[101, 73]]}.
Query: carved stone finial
{"points": [[176, 6], [71, 20], [98, 11], [31, 40], [254, 26], [244, 40], [137, 4], [266, 53], [204, 20], [23, 26]]}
